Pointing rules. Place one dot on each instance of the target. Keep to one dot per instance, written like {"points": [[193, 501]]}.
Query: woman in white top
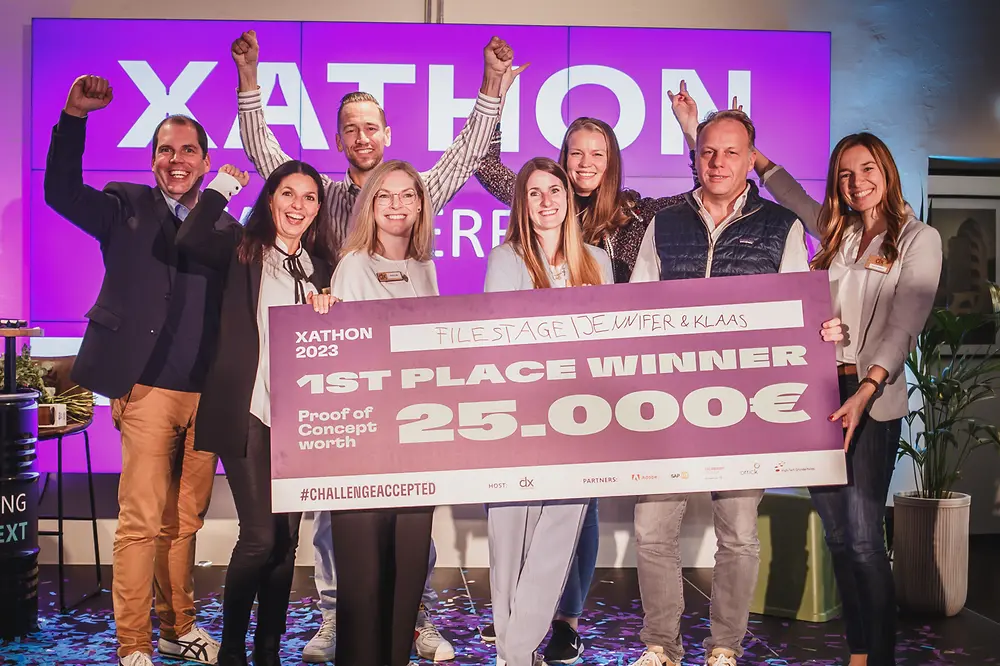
{"points": [[381, 555], [532, 544], [884, 267], [282, 257]]}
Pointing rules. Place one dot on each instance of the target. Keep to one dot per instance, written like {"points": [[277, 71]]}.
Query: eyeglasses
{"points": [[384, 199]]}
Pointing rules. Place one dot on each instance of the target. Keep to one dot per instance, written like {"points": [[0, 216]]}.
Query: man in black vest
{"points": [[147, 346], [723, 228]]}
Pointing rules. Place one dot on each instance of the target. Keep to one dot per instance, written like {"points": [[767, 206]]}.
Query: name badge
{"points": [[878, 263], [393, 276]]}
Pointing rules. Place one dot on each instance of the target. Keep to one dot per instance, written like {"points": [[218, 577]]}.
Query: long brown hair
{"points": [[363, 235], [606, 205], [583, 268], [261, 230], [836, 216]]}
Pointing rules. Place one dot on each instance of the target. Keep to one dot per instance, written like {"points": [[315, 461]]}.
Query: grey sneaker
{"points": [[322, 647]]}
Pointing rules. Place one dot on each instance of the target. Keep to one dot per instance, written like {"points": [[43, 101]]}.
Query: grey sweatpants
{"points": [[531, 549]]}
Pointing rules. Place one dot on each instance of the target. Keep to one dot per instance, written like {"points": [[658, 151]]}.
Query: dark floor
{"points": [[610, 630]]}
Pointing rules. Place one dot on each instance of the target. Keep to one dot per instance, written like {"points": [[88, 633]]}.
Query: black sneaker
{"points": [[565, 646], [488, 634]]}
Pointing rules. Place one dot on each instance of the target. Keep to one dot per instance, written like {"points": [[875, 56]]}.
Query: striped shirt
{"points": [[443, 180]]}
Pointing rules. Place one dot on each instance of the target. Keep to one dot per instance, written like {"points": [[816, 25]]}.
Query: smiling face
{"points": [[724, 158], [362, 135], [294, 206], [547, 201], [178, 161], [397, 205], [859, 179], [586, 160]]}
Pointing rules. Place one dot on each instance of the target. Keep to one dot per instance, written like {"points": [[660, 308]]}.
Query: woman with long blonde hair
{"points": [[381, 555], [532, 545], [884, 266]]}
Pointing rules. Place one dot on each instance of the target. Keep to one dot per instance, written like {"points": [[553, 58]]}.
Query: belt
{"points": [[847, 369]]}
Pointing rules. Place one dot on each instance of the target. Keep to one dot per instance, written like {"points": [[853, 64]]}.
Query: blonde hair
{"points": [[836, 216], [583, 268], [363, 231], [606, 205]]}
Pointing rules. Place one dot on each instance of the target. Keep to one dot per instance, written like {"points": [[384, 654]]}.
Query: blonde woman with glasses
{"points": [[381, 554]]}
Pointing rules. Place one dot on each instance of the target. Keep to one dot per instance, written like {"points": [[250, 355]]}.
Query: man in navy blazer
{"points": [[147, 347]]}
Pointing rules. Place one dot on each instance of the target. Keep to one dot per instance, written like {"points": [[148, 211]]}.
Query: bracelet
{"points": [[869, 380]]}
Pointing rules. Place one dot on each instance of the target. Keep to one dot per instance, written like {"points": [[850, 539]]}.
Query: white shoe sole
{"points": [[317, 658]]}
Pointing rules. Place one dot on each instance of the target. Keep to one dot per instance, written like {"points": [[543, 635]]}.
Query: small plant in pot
{"points": [[931, 524]]}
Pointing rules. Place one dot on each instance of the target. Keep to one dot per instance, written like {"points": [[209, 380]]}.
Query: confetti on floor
{"points": [[610, 627]]}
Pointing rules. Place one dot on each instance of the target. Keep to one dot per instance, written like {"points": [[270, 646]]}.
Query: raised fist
{"points": [[241, 176], [89, 93], [245, 50], [498, 55]]}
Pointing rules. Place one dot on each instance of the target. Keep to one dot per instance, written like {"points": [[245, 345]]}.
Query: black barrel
{"points": [[18, 514]]}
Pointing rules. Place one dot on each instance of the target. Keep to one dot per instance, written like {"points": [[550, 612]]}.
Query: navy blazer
{"points": [[137, 232]]}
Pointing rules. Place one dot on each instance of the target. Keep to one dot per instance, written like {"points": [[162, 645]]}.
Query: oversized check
{"points": [[711, 384]]}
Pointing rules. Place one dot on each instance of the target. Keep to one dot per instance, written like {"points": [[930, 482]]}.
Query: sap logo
{"points": [[527, 483], [497, 486], [443, 107], [601, 479], [679, 475]]}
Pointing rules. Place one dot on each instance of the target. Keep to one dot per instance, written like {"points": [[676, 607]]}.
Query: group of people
{"points": [[178, 338]]}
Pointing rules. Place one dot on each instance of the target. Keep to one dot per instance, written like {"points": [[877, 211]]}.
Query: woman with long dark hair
{"points": [[282, 257], [884, 267], [533, 545]]}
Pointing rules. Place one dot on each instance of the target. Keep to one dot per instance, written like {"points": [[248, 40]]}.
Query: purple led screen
{"points": [[427, 77]]}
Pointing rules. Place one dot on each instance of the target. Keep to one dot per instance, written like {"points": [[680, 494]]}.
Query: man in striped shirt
{"points": [[362, 135]]}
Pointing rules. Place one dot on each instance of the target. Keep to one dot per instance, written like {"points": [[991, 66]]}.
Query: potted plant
{"points": [[32, 374], [931, 524]]}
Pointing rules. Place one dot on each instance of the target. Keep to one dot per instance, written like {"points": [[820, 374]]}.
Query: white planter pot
{"points": [[931, 552]]}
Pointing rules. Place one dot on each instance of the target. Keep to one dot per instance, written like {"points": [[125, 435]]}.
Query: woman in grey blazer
{"points": [[884, 267]]}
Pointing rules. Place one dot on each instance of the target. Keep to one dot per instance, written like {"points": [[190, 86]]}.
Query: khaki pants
{"points": [[163, 495]]}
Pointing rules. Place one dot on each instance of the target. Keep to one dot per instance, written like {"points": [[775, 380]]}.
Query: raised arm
{"points": [[495, 176], [789, 193], [93, 211], [200, 236], [464, 155], [259, 143]]}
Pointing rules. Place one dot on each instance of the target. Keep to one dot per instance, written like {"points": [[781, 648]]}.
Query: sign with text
{"points": [[546, 394]]}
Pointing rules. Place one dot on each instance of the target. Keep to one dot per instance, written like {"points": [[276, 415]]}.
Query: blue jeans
{"points": [[581, 571], [853, 517]]}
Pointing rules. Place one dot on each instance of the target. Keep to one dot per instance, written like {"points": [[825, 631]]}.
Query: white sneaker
{"points": [[722, 657], [322, 647], [653, 657], [429, 642], [196, 645], [135, 659]]}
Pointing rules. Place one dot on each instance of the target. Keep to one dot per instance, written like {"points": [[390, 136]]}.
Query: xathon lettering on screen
{"points": [[298, 111]]}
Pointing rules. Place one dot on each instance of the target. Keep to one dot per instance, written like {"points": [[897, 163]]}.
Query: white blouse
{"points": [[277, 287], [847, 288], [363, 277], [506, 270]]}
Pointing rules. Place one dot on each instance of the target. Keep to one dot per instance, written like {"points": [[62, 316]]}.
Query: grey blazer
{"points": [[896, 304]]}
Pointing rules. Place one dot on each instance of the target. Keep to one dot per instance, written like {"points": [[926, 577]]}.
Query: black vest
{"points": [[752, 244]]}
